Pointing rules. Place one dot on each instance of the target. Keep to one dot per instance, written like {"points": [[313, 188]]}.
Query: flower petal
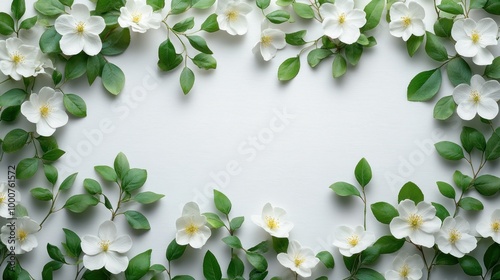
{"points": [[487, 108], [483, 57], [94, 262], [116, 263], [122, 244], [72, 44], [44, 129], [107, 231], [466, 110], [93, 44], [65, 24]]}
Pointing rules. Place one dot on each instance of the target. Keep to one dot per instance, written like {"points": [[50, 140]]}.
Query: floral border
{"points": [[77, 41]]}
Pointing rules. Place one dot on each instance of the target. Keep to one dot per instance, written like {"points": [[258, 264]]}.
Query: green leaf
{"points": [[214, 220], [461, 180], [187, 80], [441, 211], [470, 266], [444, 108], [18, 8], [134, 179], [451, 7], [179, 6], [156, 4], [222, 203], [56, 77], [50, 173], [49, 41], [47, 271], [136, 220], [113, 78], [6, 24], [413, 44], [257, 260], [15, 140], [296, 38], [104, 6], [435, 48], [278, 16], [487, 185], [491, 256], [183, 277], [284, 3], [412, 192], [339, 66], [363, 172], [236, 267], [210, 24], [107, 173], [424, 85], [373, 12], [116, 42], [289, 69], [10, 114], [121, 165], [303, 10], [184, 25], [326, 258], [205, 61], [148, 197], [260, 248], [76, 67], [55, 253], [449, 150], [27, 168], [263, 4], [92, 186], [211, 267], [138, 266], [493, 70], [459, 71], [41, 194], [470, 204], [317, 55], [280, 245], [353, 53], [368, 274], [75, 105], [68, 182], [175, 251], [73, 243], [492, 151], [472, 138], [446, 190], [199, 43], [13, 97], [47, 143], [236, 223], [384, 245], [384, 212], [53, 155], [203, 4], [446, 259], [49, 7], [442, 27], [233, 242], [80, 202], [345, 189]]}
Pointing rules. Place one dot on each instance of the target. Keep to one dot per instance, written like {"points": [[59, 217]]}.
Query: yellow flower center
{"points": [[104, 245], [495, 226], [136, 17], [405, 271], [406, 21], [454, 236], [353, 240], [272, 223], [22, 235], [45, 110], [475, 96], [475, 36], [17, 58], [415, 221], [298, 261], [2, 197], [342, 18], [266, 41], [232, 15], [80, 27], [192, 229]]}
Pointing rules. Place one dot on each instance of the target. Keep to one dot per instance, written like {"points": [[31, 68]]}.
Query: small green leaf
{"points": [[257, 260], [15, 140], [296, 38], [278, 16], [136, 220], [487, 185], [449, 150], [363, 172], [13, 97], [434, 48], [384, 212], [107, 173], [73, 243], [49, 42], [413, 44], [147, 197], [211, 267], [233, 242], [51, 173], [412, 192], [492, 151], [441, 211], [179, 6], [214, 220], [75, 105], [345, 189], [75, 67], [49, 7], [339, 66], [373, 12], [471, 204], [491, 256], [187, 80], [446, 259], [458, 71], [134, 179], [27, 168], [18, 8], [236, 223], [303, 10], [317, 55], [116, 42], [121, 165], [41, 194], [236, 267], [263, 4], [326, 258], [68, 182], [493, 70], [203, 4], [175, 251], [368, 274], [222, 203], [80, 202], [113, 78], [199, 43], [472, 138], [442, 27], [451, 7], [205, 61], [156, 4], [28, 23], [444, 108], [210, 24], [289, 69], [280, 245], [6, 24], [470, 266], [53, 155], [424, 85], [184, 25], [55, 253], [461, 180], [92, 186], [353, 53], [138, 266], [446, 190]]}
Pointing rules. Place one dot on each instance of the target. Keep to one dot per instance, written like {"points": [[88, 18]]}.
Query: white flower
{"points": [[480, 97], [138, 15], [271, 40], [191, 227], [15, 198], [272, 221], [407, 20], [299, 259], [16, 59], [80, 31], [352, 241], [341, 21], [46, 109], [473, 38], [231, 16], [107, 249], [42, 61], [454, 237], [419, 223], [20, 234], [406, 268], [490, 228]]}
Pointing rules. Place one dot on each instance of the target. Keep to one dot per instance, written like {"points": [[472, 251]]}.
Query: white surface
{"points": [[183, 140]]}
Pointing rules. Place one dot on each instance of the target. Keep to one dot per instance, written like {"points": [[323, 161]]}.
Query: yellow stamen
{"points": [[80, 27], [266, 41], [17, 58], [298, 261], [45, 110], [353, 240], [2, 197], [475, 37], [136, 17], [232, 15], [22, 235], [495, 226], [475, 96], [104, 245], [406, 21], [272, 223], [415, 221], [192, 229], [405, 271], [454, 236], [342, 18]]}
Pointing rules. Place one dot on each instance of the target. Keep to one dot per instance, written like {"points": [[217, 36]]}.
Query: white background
{"points": [[182, 140]]}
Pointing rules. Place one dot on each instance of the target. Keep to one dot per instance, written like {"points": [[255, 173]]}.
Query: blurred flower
{"points": [[454, 237], [342, 21], [107, 249], [80, 31], [419, 223], [480, 97], [271, 220], [299, 259], [46, 110], [5, 212], [231, 16], [472, 39], [138, 15], [352, 241], [407, 20], [191, 227], [490, 228], [20, 234], [406, 268], [16, 59]]}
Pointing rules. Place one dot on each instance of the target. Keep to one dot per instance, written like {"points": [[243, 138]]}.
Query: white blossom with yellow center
{"points": [[231, 16], [271, 40], [272, 220], [17, 60], [490, 227], [407, 19], [342, 21], [192, 227], [139, 16], [418, 222], [454, 237], [480, 97], [351, 241], [472, 39], [5, 212], [25, 230], [300, 260], [406, 268]]}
